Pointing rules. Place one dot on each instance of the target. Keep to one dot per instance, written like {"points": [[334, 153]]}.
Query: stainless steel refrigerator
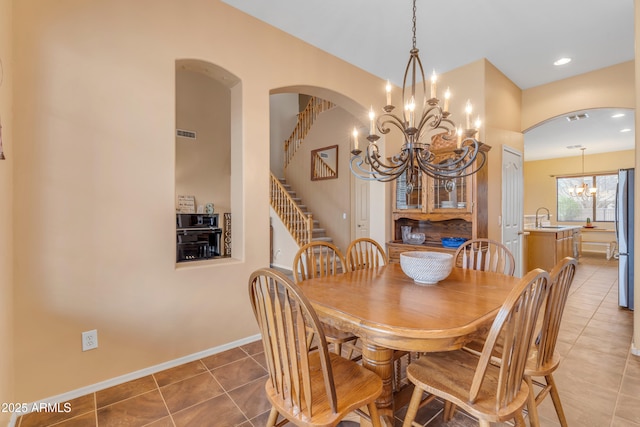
{"points": [[624, 234]]}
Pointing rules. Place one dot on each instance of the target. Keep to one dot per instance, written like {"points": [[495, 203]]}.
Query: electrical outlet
{"points": [[89, 340]]}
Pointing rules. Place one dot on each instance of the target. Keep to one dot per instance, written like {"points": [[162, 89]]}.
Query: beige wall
{"points": [[203, 165], [503, 109], [497, 101], [94, 181], [608, 87], [283, 110], [540, 182], [6, 211]]}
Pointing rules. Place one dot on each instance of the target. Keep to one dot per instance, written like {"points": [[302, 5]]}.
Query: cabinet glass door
{"points": [[409, 196], [454, 193]]}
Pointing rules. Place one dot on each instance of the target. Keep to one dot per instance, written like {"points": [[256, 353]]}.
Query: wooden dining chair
{"points": [[487, 255], [306, 387], [317, 259], [490, 390], [543, 360], [322, 259], [365, 253]]}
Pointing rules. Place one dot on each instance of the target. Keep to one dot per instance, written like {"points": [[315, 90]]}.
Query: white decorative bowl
{"points": [[425, 267]]}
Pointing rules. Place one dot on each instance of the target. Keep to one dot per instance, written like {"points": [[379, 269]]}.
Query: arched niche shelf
{"points": [[208, 159]]}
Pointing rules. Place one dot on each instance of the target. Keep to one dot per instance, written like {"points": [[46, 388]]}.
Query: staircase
{"points": [[317, 232], [306, 118], [294, 214]]}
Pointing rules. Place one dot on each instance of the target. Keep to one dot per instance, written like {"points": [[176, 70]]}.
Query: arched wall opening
{"points": [[208, 160], [334, 202], [580, 142]]}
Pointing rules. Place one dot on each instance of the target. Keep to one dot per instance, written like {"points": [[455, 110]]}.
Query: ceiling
{"points": [[521, 38], [597, 130]]}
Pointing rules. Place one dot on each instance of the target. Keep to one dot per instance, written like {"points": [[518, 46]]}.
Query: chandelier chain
{"points": [[413, 29]]}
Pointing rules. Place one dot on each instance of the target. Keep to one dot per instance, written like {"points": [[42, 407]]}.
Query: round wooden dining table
{"points": [[388, 311]]}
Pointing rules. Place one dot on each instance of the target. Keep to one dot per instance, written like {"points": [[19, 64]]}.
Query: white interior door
{"points": [[513, 205], [361, 211]]}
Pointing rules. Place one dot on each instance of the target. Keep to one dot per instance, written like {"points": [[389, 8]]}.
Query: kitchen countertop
{"points": [[552, 228]]}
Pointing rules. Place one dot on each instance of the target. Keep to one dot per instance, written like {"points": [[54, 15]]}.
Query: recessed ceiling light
{"points": [[625, 130], [615, 116], [562, 61]]}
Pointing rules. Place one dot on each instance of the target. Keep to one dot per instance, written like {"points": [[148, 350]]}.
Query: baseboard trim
{"points": [[60, 398]]}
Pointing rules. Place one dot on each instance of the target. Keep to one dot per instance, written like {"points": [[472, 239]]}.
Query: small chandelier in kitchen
{"points": [[432, 144], [583, 191]]}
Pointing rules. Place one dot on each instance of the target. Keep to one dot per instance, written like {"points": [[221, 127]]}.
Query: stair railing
{"points": [[305, 121], [299, 224]]}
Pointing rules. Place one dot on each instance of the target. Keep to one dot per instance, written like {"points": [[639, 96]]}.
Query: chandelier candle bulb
{"points": [[447, 95], [388, 90], [355, 138], [434, 79], [372, 119], [459, 132]]}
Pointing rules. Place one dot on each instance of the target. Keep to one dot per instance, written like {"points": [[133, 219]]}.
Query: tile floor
{"points": [[599, 380]]}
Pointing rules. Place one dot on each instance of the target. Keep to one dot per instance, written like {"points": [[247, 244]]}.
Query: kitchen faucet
{"points": [[537, 220]]}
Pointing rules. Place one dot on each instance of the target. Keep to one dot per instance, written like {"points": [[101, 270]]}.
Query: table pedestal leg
{"points": [[380, 360]]}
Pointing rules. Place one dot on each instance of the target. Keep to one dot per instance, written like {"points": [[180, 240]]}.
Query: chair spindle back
{"points": [[287, 321], [561, 278], [317, 259], [514, 327], [365, 253], [486, 255]]}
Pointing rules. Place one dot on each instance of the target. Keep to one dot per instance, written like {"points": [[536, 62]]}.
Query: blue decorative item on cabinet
{"points": [[453, 242]]}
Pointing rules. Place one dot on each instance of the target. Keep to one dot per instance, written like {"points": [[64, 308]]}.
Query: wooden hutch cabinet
{"points": [[439, 208]]}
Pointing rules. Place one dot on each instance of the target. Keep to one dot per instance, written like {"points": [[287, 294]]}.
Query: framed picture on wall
{"points": [[324, 163], [186, 204]]}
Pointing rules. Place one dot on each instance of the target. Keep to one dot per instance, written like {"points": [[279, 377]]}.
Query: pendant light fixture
{"points": [[432, 144], [583, 191]]}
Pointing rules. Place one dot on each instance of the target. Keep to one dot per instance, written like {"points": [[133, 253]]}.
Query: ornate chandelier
{"points": [[432, 144], [583, 191]]}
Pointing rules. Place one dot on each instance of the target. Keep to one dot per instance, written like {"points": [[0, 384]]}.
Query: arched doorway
{"points": [[284, 106]]}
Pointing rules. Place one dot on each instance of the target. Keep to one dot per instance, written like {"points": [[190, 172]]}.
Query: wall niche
{"points": [[204, 157]]}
